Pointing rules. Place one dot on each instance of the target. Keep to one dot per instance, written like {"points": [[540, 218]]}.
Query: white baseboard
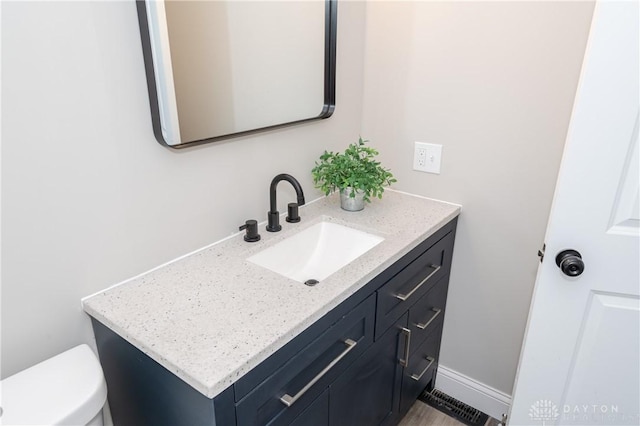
{"points": [[478, 395]]}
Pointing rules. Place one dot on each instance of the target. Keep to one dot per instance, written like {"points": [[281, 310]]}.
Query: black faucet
{"points": [[273, 215]]}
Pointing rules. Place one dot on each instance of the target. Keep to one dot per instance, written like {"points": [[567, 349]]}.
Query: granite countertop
{"points": [[212, 316]]}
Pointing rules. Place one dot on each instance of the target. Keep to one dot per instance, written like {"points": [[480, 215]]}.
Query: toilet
{"points": [[68, 389]]}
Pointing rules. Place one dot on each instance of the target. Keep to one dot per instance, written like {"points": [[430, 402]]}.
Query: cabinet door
{"points": [[317, 414], [420, 370], [368, 392]]}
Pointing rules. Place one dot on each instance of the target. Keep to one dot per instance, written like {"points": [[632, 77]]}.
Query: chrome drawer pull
{"points": [[426, 324], [404, 297], [288, 400], [431, 361], [405, 362]]}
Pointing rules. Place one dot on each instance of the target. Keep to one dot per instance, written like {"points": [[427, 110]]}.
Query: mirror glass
{"points": [[219, 69]]}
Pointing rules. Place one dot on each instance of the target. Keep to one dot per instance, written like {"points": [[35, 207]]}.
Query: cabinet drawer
{"points": [[400, 292], [427, 314], [420, 370], [316, 414], [285, 394]]}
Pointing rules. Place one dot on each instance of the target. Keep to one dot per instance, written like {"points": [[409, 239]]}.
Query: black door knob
{"points": [[570, 263]]}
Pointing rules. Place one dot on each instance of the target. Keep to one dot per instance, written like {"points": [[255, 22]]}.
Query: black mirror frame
{"points": [[330, 43]]}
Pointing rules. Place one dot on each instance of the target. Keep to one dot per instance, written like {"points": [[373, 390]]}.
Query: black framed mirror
{"points": [[221, 69]]}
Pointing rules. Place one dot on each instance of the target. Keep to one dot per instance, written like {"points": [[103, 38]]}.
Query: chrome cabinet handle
{"points": [[426, 324], [404, 297], [431, 361], [407, 342], [289, 400]]}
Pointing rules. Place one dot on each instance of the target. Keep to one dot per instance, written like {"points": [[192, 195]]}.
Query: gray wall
{"points": [[89, 198], [494, 84]]}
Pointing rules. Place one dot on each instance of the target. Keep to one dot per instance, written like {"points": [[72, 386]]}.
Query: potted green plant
{"points": [[355, 173]]}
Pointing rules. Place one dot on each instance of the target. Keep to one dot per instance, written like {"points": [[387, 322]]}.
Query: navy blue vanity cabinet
{"points": [[368, 393], [415, 298], [411, 283], [420, 370], [317, 414], [142, 392], [291, 388], [426, 318], [363, 363]]}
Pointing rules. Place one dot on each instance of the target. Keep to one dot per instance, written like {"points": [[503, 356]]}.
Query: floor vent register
{"points": [[454, 408]]}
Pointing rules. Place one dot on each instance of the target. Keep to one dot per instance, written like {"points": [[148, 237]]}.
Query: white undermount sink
{"points": [[316, 252]]}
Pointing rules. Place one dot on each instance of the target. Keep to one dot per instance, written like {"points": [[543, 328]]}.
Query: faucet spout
{"points": [[273, 218], [292, 181]]}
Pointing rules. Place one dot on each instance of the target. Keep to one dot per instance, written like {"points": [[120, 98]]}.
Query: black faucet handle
{"points": [[252, 231], [292, 215]]}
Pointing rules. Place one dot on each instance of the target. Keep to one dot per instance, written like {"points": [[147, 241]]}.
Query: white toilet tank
{"points": [[68, 389]]}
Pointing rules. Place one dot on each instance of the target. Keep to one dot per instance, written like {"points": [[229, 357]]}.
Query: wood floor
{"points": [[422, 414]]}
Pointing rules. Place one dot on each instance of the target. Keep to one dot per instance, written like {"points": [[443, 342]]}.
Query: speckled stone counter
{"points": [[213, 316]]}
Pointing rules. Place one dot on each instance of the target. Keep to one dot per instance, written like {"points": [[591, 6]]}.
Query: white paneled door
{"points": [[580, 362]]}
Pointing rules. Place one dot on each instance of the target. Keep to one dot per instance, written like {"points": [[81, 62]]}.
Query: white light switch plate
{"points": [[427, 157]]}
